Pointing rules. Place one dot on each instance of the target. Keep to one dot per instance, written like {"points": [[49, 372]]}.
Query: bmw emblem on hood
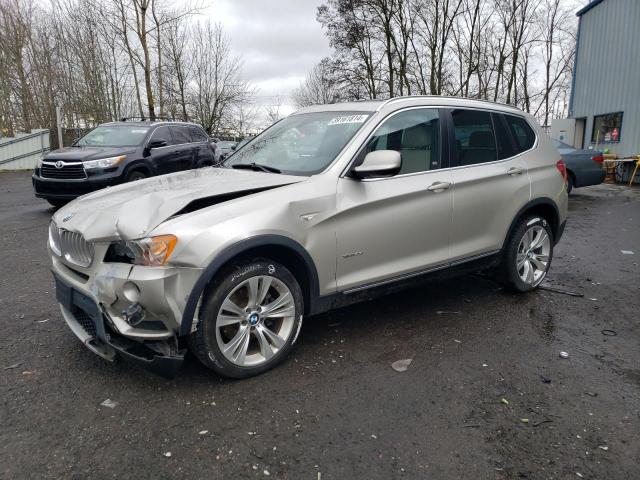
{"points": [[68, 217]]}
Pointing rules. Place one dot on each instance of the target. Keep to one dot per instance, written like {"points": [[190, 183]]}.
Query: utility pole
{"points": [[59, 125]]}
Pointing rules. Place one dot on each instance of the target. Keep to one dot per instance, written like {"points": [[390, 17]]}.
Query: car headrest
{"points": [[417, 137], [481, 140]]}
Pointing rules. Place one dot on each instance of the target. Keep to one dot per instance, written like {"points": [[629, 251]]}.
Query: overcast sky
{"points": [[279, 41]]}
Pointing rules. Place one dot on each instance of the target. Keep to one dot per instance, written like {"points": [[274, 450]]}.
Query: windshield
{"points": [[301, 144], [114, 136]]}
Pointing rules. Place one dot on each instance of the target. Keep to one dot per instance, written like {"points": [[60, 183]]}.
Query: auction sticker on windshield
{"points": [[348, 119]]}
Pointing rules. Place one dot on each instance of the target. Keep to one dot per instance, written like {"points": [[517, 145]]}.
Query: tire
{"points": [[57, 203], [570, 182], [239, 340], [523, 268], [136, 175]]}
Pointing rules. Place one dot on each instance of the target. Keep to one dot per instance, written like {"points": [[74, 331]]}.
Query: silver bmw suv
{"points": [[329, 202]]}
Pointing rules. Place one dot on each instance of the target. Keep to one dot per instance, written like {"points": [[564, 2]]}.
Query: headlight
{"points": [[153, 251], [103, 162], [54, 239]]}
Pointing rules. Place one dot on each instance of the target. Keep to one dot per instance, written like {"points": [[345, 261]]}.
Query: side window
{"points": [[416, 135], [475, 138], [197, 135], [162, 133], [523, 133], [506, 148], [181, 134]]}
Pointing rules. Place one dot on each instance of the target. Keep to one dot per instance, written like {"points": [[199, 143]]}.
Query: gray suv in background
{"points": [[329, 203]]}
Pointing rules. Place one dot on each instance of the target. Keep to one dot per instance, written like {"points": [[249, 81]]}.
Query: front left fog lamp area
{"points": [[134, 314]]}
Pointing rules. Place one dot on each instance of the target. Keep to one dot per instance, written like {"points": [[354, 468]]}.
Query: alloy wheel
{"points": [[532, 259], [255, 321]]}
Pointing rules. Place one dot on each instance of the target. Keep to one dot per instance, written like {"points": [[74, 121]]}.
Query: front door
{"points": [[185, 151], [161, 157], [388, 228]]}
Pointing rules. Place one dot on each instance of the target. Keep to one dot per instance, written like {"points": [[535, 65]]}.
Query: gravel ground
{"points": [[336, 409]]}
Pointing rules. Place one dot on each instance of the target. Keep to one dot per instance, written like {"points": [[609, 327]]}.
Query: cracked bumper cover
{"points": [[92, 308]]}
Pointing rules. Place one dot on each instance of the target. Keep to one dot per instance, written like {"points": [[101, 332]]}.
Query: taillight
{"points": [[562, 168], [598, 159]]}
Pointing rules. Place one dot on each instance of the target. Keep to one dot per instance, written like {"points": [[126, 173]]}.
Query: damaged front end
{"points": [[119, 291], [120, 309]]}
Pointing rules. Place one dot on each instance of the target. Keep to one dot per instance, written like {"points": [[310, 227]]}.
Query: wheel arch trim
{"points": [[139, 164], [233, 251], [537, 202]]}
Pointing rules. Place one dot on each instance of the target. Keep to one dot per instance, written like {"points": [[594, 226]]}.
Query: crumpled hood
{"points": [[133, 209]]}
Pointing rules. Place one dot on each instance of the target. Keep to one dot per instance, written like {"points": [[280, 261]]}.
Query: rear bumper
{"points": [[98, 333], [590, 177]]}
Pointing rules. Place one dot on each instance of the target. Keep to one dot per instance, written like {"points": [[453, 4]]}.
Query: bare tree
{"points": [[320, 86], [273, 110], [217, 85], [488, 49]]}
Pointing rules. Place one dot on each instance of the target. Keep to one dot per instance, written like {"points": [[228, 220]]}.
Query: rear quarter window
{"points": [[198, 135], [522, 132]]}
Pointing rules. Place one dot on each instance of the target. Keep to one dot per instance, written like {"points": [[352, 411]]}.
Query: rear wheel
{"points": [[249, 319], [527, 256]]}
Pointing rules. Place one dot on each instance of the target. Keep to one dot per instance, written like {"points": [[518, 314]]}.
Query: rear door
{"points": [[185, 150], [490, 181], [203, 153], [396, 226]]}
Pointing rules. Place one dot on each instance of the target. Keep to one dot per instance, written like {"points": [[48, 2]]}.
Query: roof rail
{"points": [[145, 119], [391, 100]]}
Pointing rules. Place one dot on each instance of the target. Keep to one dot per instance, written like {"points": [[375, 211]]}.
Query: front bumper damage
{"points": [[92, 304]]}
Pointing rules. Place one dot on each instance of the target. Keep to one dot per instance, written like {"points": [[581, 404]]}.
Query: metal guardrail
{"points": [[25, 137], [24, 155], [23, 151]]}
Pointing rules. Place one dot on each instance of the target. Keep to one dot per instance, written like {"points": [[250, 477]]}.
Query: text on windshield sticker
{"points": [[348, 119]]}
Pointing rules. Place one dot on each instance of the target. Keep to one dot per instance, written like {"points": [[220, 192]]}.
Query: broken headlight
{"points": [[152, 251]]}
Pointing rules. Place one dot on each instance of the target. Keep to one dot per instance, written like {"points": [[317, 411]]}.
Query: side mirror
{"points": [[233, 147], [381, 163], [157, 143]]}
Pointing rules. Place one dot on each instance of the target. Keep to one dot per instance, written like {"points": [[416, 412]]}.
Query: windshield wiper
{"points": [[257, 166]]}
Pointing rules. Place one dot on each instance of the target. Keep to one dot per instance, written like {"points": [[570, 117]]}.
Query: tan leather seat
{"points": [[416, 149]]}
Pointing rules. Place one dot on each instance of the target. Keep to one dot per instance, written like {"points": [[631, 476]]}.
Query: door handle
{"points": [[515, 171], [438, 186]]}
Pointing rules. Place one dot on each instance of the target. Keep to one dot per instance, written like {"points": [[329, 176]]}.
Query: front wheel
{"points": [[136, 175], [527, 256], [249, 319]]}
